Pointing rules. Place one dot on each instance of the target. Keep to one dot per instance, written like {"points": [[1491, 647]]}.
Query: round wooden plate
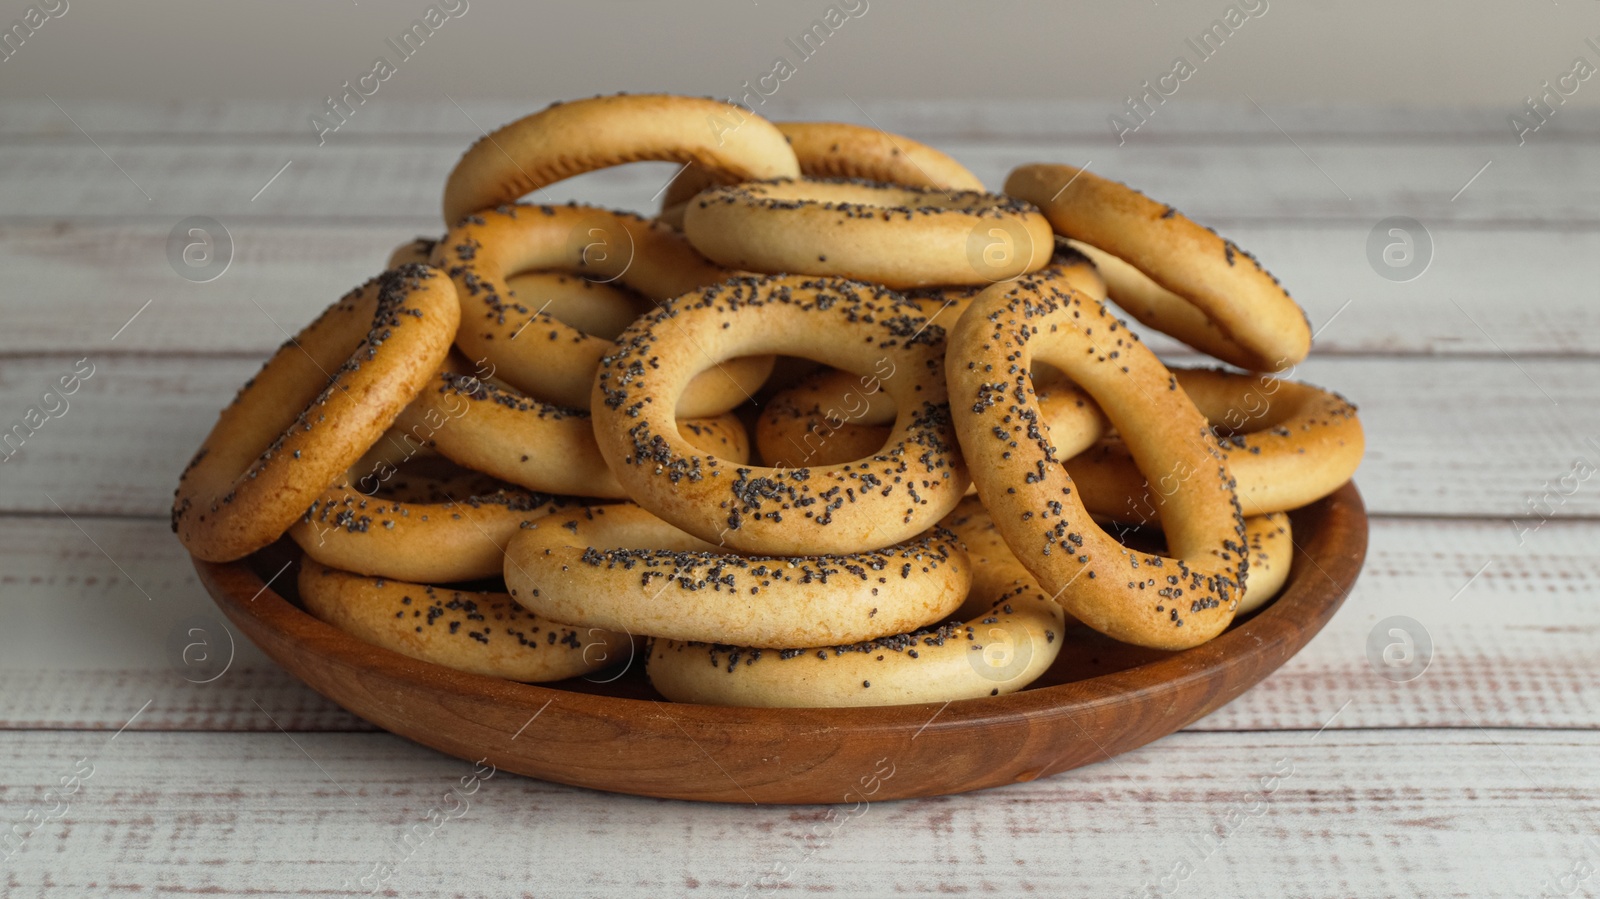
{"points": [[1101, 698]]}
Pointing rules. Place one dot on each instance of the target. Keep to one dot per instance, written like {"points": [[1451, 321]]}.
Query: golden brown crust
{"points": [[1226, 284], [395, 524], [840, 150], [490, 427], [900, 237], [1171, 602], [534, 351], [567, 139], [831, 417], [477, 632], [621, 568], [320, 402], [1011, 635], [1288, 444], [873, 502]]}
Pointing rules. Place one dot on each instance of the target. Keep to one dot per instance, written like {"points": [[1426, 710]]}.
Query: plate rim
{"points": [[1268, 634]]}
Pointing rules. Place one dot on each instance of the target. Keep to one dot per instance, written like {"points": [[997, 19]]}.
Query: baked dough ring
{"points": [[532, 350], [424, 529], [1271, 550], [1068, 263], [567, 139], [1261, 326], [874, 502], [1011, 636], [596, 308], [838, 150], [834, 417], [827, 418], [1149, 600], [492, 428], [1288, 444], [621, 568], [477, 632], [313, 410], [900, 237]]}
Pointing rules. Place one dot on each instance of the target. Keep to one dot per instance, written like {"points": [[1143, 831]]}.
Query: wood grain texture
{"points": [[242, 120], [82, 646], [612, 738], [1473, 436], [100, 273], [1443, 813], [1437, 807], [1262, 179]]}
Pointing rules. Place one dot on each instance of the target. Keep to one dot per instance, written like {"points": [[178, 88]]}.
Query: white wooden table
{"points": [[1479, 384]]}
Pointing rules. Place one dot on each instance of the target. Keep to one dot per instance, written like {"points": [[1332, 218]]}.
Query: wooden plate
{"points": [[1101, 699]]}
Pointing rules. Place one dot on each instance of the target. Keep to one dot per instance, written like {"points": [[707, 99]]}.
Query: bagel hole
{"points": [[635, 187], [851, 416]]}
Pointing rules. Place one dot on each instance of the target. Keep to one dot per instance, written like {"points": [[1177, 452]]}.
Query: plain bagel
{"points": [[568, 139], [534, 351], [900, 237]]}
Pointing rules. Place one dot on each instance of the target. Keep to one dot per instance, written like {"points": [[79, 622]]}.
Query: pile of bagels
{"points": [[837, 427]]}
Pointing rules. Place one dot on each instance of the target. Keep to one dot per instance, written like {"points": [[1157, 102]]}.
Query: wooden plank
{"points": [[97, 274], [1261, 179], [1480, 436], [244, 120], [1512, 646], [1362, 813]]}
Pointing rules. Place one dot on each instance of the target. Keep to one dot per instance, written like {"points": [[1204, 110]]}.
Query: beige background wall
{"points": [[1485, 53]]}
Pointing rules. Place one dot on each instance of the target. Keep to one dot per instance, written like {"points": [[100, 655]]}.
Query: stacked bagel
{"points": [[837, 427]]}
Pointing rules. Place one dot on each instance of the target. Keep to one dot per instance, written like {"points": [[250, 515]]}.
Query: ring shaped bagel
{"points": [[891, 496], [596, 308], [831, 417], [478, 632], [897, 236], [317, 405], [1011, 636], [432, 530], [1154, 305], [1271, 550], [1224, 283], [620, 568], [567, 139], [538, 354], [494, 429], [1171, 602], [1288, 444], [834, 417], [838, 150], [1271, 543], [1067, 263]]}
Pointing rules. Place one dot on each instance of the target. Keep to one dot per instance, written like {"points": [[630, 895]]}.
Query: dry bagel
{"points": [[900, 237], [839, 150], [568, 139], [1011, 635], [620, 568], [316, 406], [477, 632], [538, 354], [492, 428], [430, 530], [1164, 602], [1233, 293], [874, 502]]}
